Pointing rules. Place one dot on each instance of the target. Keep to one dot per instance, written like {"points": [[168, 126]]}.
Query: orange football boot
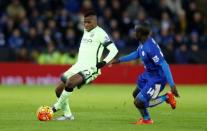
{"points": [[142, 122], [171, 100]]}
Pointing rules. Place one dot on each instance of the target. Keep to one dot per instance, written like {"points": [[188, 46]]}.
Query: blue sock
{"points": [[157, 101], [145, 114]]}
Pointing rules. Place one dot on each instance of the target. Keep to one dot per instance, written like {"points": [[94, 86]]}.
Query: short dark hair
{"points": [[90, 12], [144, 28]]}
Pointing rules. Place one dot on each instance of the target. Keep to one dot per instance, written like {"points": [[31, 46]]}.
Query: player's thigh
{"points": [[141, 82], [69, 73], [89, 74], [151, 90]]}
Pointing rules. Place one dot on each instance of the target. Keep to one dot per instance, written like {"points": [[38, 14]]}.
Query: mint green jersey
{"points": [[91, 47]]}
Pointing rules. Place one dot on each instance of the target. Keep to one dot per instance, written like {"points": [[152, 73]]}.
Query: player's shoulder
{"points": [[100, 30], [151, 43]]}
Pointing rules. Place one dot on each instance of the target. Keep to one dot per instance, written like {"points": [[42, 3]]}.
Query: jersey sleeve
{"points": [[105, 39], [132, 56], [108, 44], [167, 72], [155, 53]]}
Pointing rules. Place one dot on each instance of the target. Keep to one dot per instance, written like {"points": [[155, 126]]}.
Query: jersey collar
{"points": [[92, 29]]}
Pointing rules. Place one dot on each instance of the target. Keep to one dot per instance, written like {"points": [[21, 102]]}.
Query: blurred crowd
{"points": [[49, 31]]}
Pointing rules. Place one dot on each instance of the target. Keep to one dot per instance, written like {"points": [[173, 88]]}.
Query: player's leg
{"points": [[70, 84], [59, 89], [65, 106], [139, 103], [154, 91], [135, 92], [156, 100]]}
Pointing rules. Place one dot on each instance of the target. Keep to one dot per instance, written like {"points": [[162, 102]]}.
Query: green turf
{"points": [[100, 108]]}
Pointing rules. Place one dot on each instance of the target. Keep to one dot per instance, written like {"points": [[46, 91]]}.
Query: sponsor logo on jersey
{"points": [[84, 40]]}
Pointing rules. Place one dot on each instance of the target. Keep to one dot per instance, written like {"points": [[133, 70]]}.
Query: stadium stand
{"points": [[45, 30]]}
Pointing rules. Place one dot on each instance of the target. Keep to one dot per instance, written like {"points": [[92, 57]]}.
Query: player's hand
{"points": [[174, 91], [100, 64], [115, 61]]}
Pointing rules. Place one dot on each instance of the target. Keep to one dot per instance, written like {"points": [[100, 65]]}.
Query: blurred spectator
{"points": [[70, 39], [15, 10], [72, 6], [2, 40], [24, 26], [16, 40], [28, 28], [68, 57], [119, 42], [86, 5], [194, 54], [174, 6], [133, 8], [181, 22], [23, 55], [181, 54], [51, 56], [204, 40], [33, 40], [197, 23]]}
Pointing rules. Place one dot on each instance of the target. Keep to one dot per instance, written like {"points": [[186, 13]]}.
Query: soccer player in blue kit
{"points": [[153, 80]]}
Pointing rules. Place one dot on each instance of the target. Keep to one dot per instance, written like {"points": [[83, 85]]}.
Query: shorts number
{"points": [[154, 92], [86, 73]]}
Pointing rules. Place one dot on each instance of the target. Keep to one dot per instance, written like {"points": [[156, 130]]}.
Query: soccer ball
{"points": [[44, 113]]}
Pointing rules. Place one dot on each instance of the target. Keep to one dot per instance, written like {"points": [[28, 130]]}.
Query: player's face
{"points": [[138, 35], [90, 22]]}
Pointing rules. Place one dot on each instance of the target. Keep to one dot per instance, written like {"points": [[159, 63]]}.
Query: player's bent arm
{"points": [[167, 72], [132, 56], [112, 52]]}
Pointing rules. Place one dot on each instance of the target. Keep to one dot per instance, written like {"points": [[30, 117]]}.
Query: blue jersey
{"points": [[152, 58]]}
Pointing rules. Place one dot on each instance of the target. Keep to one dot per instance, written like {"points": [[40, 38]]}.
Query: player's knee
{"points": [[69, 86], [57, 92], [139, 104], [135, 93]]}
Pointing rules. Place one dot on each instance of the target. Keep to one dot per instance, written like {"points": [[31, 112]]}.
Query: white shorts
{"points": [[88, 73]]}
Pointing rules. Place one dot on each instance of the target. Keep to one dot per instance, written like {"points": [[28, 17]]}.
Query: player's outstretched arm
{"points": [[166, 70], [132, 56]]}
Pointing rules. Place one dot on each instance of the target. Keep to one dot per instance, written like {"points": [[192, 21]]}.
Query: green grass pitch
{"points": [[101, 108]]}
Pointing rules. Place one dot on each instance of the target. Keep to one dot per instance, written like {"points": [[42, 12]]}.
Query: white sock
{"points": [[61, 99], [66, 108]]}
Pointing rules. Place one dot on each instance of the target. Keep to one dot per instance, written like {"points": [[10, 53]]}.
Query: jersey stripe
{"points": [[107, 43], [98, 53]]}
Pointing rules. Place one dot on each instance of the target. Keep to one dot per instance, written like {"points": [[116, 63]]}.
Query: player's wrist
{"points": [[101, 64], [116, 61]]}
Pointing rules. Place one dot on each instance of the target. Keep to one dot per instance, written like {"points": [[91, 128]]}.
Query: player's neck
{"points": [[92, 28]]}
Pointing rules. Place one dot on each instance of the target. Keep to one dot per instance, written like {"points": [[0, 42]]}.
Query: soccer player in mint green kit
{"points": [[153, 80], [87, 67]]}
